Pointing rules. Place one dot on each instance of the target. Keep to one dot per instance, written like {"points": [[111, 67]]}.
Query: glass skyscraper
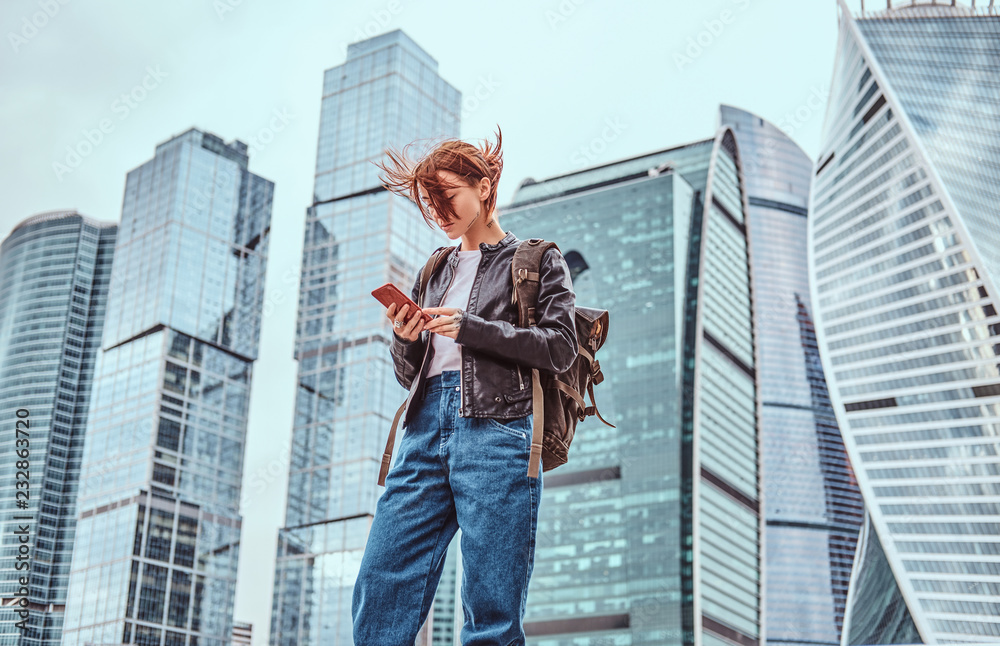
{"points": [[812, 503], [905, 261], [651, 533], [158, 524], [55, 269], [358, 236]]}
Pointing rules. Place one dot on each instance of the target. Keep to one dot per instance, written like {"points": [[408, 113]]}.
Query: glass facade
{"points": [[905, 242], [651, 533], [55, 270], [810, 546], [158, 530], [879, 614], [358, 237]]}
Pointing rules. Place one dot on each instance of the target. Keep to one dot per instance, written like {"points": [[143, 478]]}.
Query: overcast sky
{"points": [[572, 83]]}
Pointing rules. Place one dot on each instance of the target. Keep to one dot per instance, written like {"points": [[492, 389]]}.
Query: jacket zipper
{"points": [[518, 366]]}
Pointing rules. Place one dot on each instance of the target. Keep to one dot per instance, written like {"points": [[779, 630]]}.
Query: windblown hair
{"points": [[404, 177]]}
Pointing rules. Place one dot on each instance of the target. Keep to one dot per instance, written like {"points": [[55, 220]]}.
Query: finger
{"points": [[401, 313], [410, 324]]}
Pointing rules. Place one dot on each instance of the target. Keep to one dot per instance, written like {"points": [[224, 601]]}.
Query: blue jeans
{"points": [[451, 472]]}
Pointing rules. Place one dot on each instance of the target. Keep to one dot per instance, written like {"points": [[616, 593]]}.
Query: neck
{"points": [[488, 231]]}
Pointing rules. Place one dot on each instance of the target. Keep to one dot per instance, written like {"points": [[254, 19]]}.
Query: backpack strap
{"points": [[430, 267], [592, 410], [387, 455], [526, 277], [525, 274], [537, 417]]}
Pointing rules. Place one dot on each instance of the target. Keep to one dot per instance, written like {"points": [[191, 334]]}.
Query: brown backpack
{"points": [[558, 398]]}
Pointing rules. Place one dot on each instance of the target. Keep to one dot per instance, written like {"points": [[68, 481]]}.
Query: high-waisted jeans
{"points": [[451, 472]]}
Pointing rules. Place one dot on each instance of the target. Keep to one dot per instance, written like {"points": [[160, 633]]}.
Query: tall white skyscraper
{"points": [[905, 262]]}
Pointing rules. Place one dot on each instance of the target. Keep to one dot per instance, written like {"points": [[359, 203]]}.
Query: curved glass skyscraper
{"points": [[651, 533], [55, 270], [905, 261], [812, 504]]}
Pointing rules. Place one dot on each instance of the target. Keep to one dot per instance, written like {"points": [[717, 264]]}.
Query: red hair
{"points": [[470, 163]]}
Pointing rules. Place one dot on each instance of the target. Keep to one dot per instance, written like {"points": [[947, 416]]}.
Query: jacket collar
{"points": [[507, 240]]}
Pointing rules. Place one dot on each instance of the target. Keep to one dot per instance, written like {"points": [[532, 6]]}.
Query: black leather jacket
{"points": [[497, 355]]}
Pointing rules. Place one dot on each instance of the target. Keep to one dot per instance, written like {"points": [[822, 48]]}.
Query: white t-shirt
{"points": [[447, 355]]}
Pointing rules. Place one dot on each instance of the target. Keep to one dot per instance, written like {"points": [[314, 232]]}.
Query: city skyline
{"points": [[607, 140], [558, 62]]}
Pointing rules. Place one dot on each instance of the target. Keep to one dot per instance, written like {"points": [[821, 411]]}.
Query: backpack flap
{"points": [[592, 332], [597, 326]]}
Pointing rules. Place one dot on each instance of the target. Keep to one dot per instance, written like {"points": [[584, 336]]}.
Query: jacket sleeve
{"points": [[408, 355], [551, 344]]}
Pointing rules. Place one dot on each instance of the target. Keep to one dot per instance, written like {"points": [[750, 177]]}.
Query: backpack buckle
{"points": [[596, 376], [522, 275]]}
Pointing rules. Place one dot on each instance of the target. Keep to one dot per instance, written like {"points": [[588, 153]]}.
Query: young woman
{"points": [[463, 458]]}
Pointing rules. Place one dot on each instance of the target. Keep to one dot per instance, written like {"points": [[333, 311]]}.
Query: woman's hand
{"points": [[447, 324], [412, 327]]}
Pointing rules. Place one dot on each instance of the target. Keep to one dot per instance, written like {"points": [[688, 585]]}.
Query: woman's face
{"points": [[465, 200]]}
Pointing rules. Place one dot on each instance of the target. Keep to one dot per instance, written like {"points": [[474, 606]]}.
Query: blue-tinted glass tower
{"points": [[812, 503], [905, 265], [358, 237], [158, 529], [651, 533], [55, 269]]}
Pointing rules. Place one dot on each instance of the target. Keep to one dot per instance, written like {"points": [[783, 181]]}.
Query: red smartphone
{"points": [[388, 294]]}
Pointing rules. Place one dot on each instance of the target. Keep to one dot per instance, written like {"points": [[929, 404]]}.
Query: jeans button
{"points": [[458, 389]]}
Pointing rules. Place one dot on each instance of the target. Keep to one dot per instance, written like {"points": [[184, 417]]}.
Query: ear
{"points": [[484, 188]]}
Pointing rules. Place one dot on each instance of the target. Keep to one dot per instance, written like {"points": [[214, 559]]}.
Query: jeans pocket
{"points": [[518, 427]]}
